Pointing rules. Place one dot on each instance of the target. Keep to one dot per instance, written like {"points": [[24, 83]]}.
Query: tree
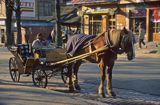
{"points": [[58, 38], [9, 13], [18, 19]]}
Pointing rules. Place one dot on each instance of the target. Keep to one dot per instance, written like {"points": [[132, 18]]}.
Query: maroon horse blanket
{"points": [[77, 41]]}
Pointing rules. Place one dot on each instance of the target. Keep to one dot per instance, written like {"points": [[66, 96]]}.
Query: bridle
{"points": [[116, 47]]}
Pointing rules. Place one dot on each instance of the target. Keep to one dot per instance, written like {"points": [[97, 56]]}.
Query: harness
{"points": [[113, 47]]}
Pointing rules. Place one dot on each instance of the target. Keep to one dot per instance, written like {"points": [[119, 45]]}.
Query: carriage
{"points": [[40, 66], [24, 62], [103, 47]]}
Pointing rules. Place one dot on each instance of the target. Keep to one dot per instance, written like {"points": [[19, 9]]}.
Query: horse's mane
{"points": [[100, 34]]}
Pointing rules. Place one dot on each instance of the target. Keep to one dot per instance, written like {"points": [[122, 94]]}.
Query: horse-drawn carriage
{"points": [[37, 64], [103, 48]]}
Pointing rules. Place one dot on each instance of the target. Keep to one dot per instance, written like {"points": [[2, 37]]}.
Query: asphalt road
{"points": [[132, 81], [140, 75]]}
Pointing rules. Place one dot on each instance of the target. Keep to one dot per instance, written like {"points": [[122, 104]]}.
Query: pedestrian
{"points": [[49, 38], [141, 35], [53, 35]]}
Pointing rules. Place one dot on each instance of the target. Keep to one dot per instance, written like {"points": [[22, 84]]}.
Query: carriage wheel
{"points": [[64, 75], [39, 78], [13, 69]]}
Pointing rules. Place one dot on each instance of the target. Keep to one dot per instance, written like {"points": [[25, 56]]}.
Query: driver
{"points": [[38, 44]]}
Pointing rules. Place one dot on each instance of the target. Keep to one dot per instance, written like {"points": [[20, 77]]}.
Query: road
{"points": [[140, 75], [135, 82]]}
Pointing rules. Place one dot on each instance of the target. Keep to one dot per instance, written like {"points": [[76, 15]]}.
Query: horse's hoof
{"points": [[111, 94], [102, 95], [77, 87], [71, 89]]}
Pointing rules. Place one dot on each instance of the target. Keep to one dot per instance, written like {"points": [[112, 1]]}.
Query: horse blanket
{"points": [[76, 41]]}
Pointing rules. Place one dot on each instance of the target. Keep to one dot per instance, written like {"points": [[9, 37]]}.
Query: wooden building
{"points": [[147, 13], [98, 18], [99, 15]]}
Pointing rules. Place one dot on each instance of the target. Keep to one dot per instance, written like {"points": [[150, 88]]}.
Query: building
{"points": [[2, 22], [35, 18], [99, 15], [148, 13]]}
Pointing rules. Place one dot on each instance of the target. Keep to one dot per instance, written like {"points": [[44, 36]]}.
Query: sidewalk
{"points": [[150, 49]]}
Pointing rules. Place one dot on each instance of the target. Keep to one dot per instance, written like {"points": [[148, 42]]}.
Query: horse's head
{"points": [[127, 43]]}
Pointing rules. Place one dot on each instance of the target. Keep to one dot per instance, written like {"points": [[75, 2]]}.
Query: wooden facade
{"points": [[153, 24], [99, 17]]}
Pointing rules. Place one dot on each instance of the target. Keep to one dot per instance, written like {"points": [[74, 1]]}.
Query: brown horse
{"points": [[117, 42]]}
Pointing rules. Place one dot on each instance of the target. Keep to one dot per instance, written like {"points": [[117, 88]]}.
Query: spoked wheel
{"points": [[64, 75], [13, 69], [39, 78]]}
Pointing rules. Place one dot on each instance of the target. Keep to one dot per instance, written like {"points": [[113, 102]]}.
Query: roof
{"points": [[94, 2], [69, 15]]}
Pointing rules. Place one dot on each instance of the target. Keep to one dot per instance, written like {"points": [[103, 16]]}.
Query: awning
{"points": [[92, 1], [35, 23], [138, 13], [69, 16]]}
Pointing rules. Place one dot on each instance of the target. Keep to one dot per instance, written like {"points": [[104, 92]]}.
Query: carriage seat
{"points": [[24, 51]]}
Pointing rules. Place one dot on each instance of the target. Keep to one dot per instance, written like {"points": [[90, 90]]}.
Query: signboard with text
{"points": [[27, 8]]}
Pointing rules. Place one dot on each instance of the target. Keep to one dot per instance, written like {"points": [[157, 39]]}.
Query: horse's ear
{"points": [[125, 30]]}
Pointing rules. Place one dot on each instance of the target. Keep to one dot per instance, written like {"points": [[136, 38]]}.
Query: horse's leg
{"points": [[76, 68], [70, 84], [109, 81], [102, 68]]}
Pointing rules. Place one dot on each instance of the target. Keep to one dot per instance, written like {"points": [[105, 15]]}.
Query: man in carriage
{"points": [[38, 44]]}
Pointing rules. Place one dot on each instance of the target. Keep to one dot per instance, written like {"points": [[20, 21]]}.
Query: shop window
{"points": [[156, 20], [45, 8], [156, 27], [95, 24], [134, 24], [2, 36], [112, 21], [137, 16]]}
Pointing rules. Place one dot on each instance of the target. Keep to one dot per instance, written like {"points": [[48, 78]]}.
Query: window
{"points": [[156, 20], [112, 21], [95, 24], [156, 27], [45, 8], [134, 24], [137, 16]]}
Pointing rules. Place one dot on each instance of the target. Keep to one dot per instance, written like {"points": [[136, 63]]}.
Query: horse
{"points": [[116, 42]]}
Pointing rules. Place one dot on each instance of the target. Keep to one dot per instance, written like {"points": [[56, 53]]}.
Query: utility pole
{"points": [[58, 38]]}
